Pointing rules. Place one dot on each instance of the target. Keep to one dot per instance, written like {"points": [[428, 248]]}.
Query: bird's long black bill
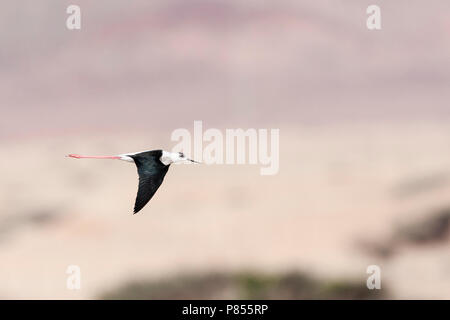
{"points": [[194, 161]]}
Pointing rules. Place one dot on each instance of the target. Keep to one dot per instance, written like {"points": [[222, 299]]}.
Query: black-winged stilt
{"points": [[151, 166]]}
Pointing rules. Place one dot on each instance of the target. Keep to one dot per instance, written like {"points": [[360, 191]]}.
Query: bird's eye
{"points": [[181, 154]]}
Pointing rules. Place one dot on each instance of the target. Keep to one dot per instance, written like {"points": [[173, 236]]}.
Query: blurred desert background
{"points": [[364, 173]]}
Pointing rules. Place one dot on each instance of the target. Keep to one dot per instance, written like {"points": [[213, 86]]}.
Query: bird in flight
{"points": [[151, 166]]}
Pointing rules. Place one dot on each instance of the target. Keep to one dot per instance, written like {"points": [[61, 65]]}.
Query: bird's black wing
{"points": [[151, 175], [148, 184]]}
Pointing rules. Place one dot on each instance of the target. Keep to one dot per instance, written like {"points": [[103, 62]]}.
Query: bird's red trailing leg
{"points": [[77, 156]]}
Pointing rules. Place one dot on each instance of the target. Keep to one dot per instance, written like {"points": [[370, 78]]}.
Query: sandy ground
{"points": [[335, 188]]}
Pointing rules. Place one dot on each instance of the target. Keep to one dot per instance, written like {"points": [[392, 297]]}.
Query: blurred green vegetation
{"points": [[245, 285]]}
